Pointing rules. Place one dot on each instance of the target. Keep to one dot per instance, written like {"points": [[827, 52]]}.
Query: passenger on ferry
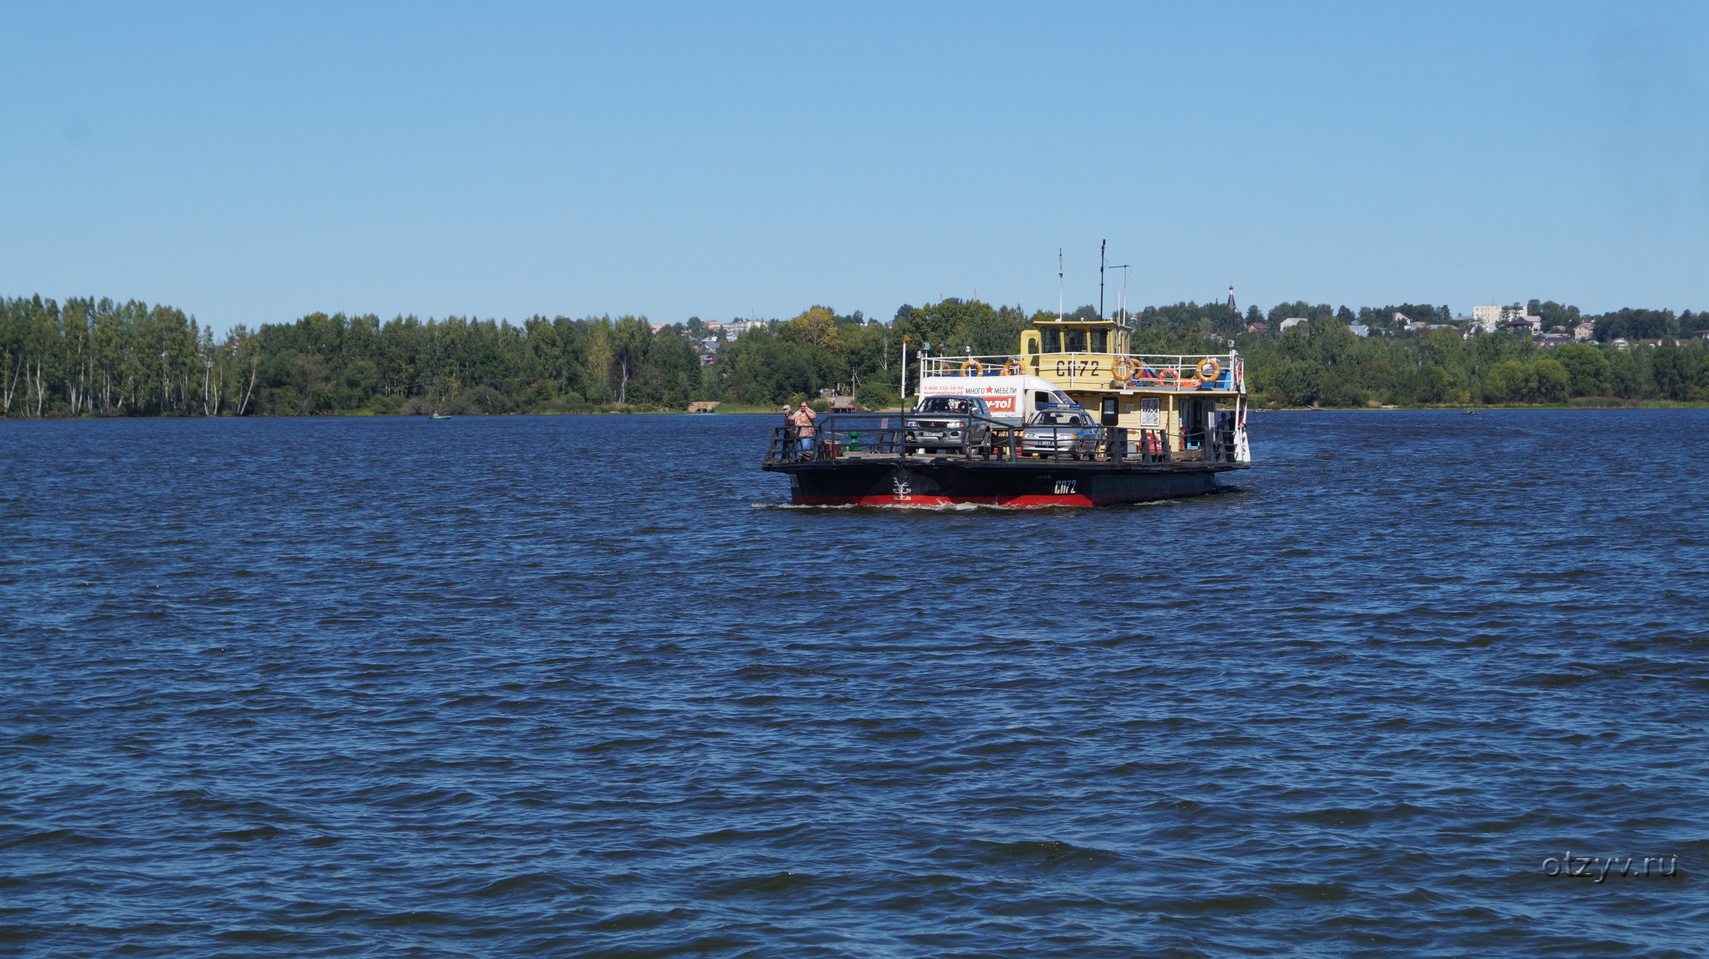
{"points": [[802, 419]]}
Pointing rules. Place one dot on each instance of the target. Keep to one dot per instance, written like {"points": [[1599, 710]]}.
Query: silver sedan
{"points": [[1060, 431]]}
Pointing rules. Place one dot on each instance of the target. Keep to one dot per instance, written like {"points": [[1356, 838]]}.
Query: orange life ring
{"points": [[1014, 368], [1167, 377], [1124, 369], [1209, 368], [974, 366]]}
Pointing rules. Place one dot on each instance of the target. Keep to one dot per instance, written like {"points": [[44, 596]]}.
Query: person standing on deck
{"points": [[802, 419]]}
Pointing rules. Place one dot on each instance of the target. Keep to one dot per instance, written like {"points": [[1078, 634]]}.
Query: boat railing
{"points": [[882, 435], [838, 434], [1183, 371]]}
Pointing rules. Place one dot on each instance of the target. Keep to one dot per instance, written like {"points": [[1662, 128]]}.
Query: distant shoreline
{"points": [[1478, 407]]}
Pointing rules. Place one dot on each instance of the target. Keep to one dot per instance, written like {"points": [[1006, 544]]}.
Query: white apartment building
{"points": [[737, 328], [1492, 318]]}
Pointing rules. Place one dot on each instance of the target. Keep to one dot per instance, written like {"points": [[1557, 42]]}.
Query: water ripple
{"points": [[585, 686]]}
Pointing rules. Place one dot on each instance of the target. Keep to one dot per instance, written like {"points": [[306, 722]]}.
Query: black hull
{"points": [[891, 481]]}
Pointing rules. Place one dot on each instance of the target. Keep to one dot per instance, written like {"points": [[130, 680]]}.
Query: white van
{"points": [[1011, 399]]}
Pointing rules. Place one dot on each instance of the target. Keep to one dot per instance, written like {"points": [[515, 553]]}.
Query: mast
{"points": [[1059, 284], [1101, 246], [904, 368]]}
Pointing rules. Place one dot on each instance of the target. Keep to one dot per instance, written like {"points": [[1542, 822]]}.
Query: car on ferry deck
{"points": [[1056, 429], [947, 424]]}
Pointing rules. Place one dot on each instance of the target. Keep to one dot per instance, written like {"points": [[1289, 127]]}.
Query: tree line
{"points": [[88, 357], [1322, 362]]}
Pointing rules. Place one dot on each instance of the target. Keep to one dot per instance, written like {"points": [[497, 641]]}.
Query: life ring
{"points": [[1014, 368], [1168, 377], [1124, 369], [974, 366], [1209, 368]]}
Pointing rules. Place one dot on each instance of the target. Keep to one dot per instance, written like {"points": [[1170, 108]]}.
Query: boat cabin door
{"points": [[1195, 423]]}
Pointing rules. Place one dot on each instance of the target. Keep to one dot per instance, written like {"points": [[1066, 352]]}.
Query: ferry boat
{"points": [[1073, 419]]}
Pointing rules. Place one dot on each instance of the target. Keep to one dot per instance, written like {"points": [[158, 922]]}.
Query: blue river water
{"points": [[585, 686]]}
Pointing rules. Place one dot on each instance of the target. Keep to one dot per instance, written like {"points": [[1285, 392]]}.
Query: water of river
{"points": [[584, 686]]}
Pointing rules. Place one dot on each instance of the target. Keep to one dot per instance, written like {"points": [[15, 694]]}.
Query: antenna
{"points": [[1059, 284], [1121, 304], [1101, 246]]}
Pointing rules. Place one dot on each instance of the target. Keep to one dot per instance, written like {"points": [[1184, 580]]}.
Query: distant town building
{"points": [[1487, 317], [1492, 318], [1585, 331], [739, 327], [1292, 322], [1359, 329]]}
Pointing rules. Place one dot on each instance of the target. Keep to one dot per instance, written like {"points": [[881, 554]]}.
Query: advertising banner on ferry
{"points": [[1001, 393]]}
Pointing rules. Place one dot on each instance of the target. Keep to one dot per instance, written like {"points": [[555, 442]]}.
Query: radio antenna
{"points": [[1059, 284], [1101, 278], [1121, 301]]}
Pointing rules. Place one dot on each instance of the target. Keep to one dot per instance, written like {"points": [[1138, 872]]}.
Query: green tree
{"points": [[629, 339], [1552, 382], [1509, 381], [1587, 369]]}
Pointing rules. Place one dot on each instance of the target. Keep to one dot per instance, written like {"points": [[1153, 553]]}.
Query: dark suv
{"points": [[947, 424]]}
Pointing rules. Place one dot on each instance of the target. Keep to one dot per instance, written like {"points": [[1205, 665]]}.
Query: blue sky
{"points": [[252, 163]]}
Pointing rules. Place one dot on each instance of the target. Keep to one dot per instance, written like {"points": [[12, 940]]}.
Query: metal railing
{"points": [[884, 435], [1103, 370]]}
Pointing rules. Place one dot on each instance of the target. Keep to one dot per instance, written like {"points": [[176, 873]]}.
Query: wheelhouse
{"points": [[1189, 397]]}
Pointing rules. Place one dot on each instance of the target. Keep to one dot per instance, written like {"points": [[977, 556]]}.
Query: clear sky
{"points": [[252, 163]]}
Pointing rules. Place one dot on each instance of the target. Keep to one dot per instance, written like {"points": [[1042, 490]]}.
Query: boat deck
{"points": [[850, 439]]}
